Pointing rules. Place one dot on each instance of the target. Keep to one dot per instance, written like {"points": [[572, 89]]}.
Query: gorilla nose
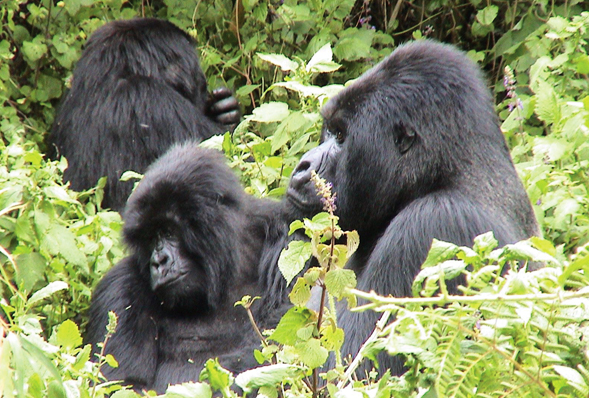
{"points": [[301, 174], [159, 258]]}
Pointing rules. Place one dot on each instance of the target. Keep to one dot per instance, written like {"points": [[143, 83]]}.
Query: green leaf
{"points": [[47, 291], [524, 251], [34, 50], [68, 335], [246, 90], [132, 175], [294, 319], [279, 60], [266, 376], [300, 293], [322, 61], [582, 64], [440, 251], [125, 394], [332, 338], [111, 361], [61, 241], [352, 242], [487, 15], [189, 390], [312, 353], [30, 270], [270, 112], [293, 259], [295, 226], [547, 104], [337, 280], [553, 149], [218, 377]]}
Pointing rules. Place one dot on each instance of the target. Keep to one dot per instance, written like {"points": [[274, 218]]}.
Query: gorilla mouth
{"points": [[168, 281], [308, 200]]}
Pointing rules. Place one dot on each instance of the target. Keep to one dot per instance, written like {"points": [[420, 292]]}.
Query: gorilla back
{"points": [[414, 151], [137, 89], [195, 239]]}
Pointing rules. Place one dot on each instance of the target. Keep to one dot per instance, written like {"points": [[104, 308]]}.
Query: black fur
{"points": [[189, 197], [414, 151], [137, 89]]}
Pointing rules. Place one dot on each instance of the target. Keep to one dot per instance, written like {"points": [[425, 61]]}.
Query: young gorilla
{"points": [[137, 89], [414, 151], [195, 239]]}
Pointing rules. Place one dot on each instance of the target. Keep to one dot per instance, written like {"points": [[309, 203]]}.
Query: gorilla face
{"points": [[177, 279]]}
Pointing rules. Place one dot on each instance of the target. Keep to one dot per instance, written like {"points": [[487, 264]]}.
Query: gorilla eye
{"points": [[339, 136]]}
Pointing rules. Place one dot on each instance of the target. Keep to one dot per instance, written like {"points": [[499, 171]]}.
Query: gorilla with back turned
{"points": [[195, 238], [137, 89], [414, 151]]}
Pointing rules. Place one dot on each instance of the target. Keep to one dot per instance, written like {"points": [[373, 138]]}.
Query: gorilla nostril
{"points": [[302, 167]]}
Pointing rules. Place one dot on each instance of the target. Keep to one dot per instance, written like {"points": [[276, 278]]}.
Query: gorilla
{"points": [[414, 151], [195, 238], [137, 89]]}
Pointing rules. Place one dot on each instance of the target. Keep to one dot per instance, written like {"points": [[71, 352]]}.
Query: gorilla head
{"points": [[137, 89], [195, 239], [183, 224]]}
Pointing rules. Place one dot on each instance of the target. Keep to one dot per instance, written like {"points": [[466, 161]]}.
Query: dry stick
{"points": [[359, 357]]}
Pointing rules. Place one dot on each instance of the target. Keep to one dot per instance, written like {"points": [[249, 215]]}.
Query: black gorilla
{"points": [[137, 89], [414, 151], [195, 239]]}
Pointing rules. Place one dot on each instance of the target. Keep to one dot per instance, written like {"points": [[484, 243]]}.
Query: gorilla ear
{"points": [[403, 137]]}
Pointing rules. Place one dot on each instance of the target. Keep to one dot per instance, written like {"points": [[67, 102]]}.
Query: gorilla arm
{"points": [[134, 343], [398, 254]]}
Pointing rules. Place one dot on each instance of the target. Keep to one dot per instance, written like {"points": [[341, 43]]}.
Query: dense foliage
{"points": [[521, 334]]}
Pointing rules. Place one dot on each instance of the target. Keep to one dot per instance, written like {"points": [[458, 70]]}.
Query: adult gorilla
{"points": [[195, 240], [414, 151], [137, 89]]}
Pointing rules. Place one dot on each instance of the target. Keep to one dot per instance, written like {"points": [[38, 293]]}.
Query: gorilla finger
{"points": [[223, 106], [229, 117], [219, 93]]}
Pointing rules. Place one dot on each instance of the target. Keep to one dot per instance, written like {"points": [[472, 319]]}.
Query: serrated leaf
{"points": [[218, 377], [295, 225], [352, 242], [337, 280], [279, 60], [47, 291], [68, 335], [189, 390], [270, 112], [440, 251], [312, 353], [487, 15], [292, 260], [322, 61], [546, 104], [266, 376], [294, 319], [300, 293], [524, 251], [332, 338], [61, 241], [57, 192]]}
